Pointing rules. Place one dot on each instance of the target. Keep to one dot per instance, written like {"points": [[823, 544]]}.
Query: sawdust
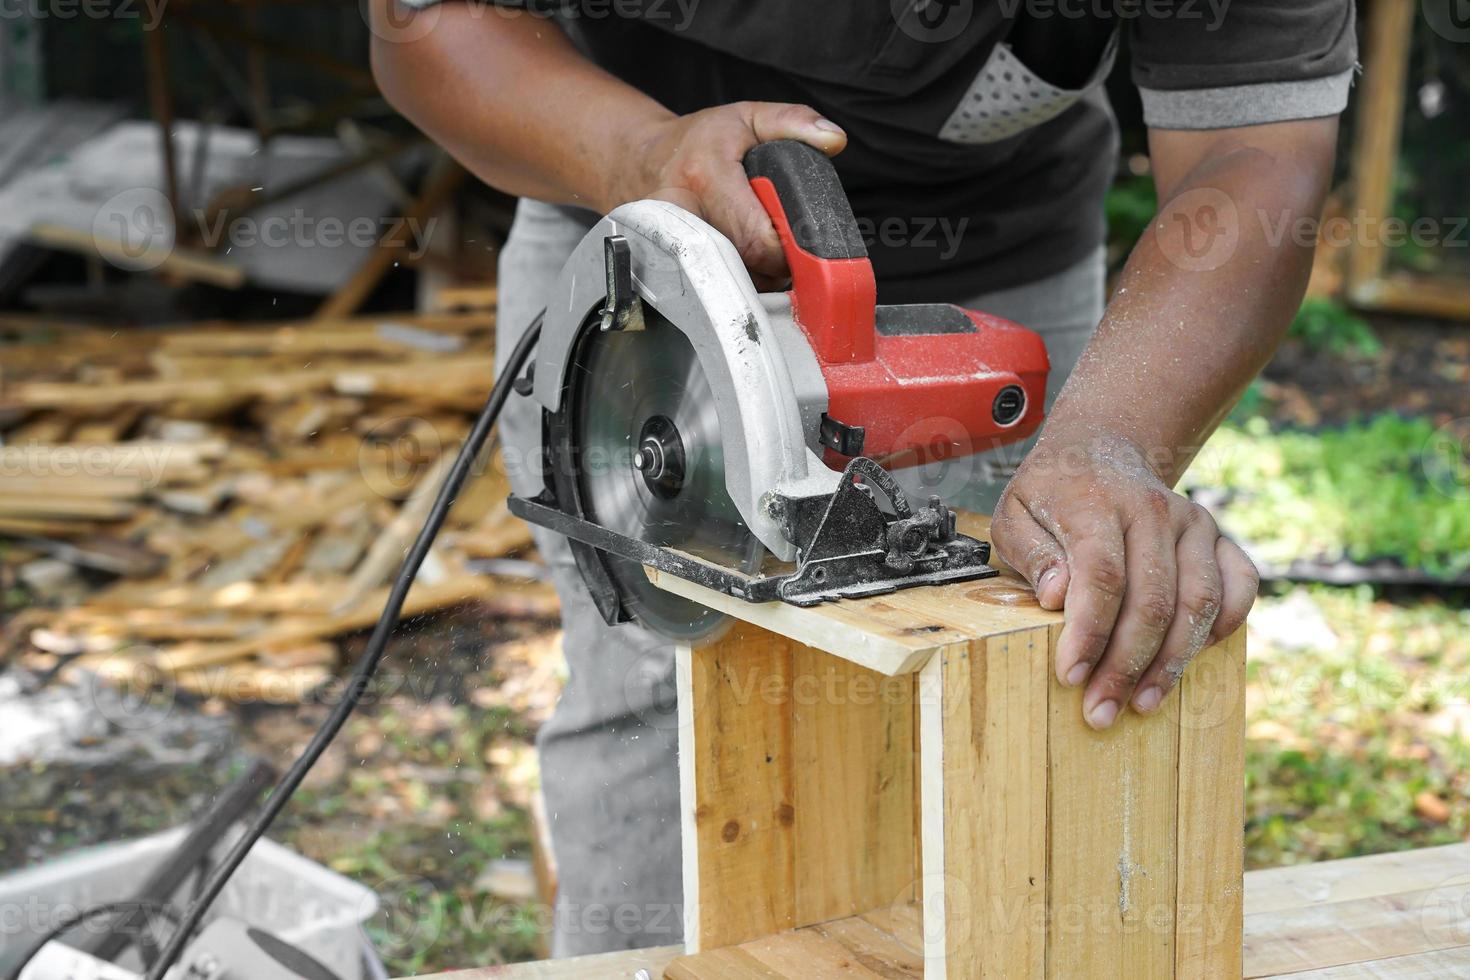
{"points": [[1126, 867]]}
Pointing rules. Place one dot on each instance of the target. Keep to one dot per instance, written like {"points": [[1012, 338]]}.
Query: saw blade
{"points": [[652, 465]]}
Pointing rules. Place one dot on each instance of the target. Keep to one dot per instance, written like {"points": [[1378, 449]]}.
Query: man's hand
{"points": [[697, 162], [535, 118], [1145, 575]]}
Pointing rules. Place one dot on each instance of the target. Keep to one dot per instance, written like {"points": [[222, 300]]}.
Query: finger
{"points": [[1095, 584], [788, 121], [1240, 582], [1030, 549], [689, 201], [1147, 613], [1200, 594], [732, 207]]}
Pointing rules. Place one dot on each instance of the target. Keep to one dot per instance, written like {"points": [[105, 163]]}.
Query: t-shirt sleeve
{"points": [[1242, 62]]}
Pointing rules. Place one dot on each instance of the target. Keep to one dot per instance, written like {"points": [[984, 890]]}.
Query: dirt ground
{"points": [[427, 785], [1422, 369]]}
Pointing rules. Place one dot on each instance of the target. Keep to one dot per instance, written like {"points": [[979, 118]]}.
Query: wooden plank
{"points": [[605, 966], [115, 487], [766, 851], [1112, 813], [428, 378], [27, 506], [289, 630], [1444, 964], [813, 955], [895, 955], [984, 763], [1380, 110], [846, 948], [1298, 886], [1357, 931], [1417, 295], [730, 963], [852, 744], [186, 262], [1210, 710], [892, 634], [27, 527], [739, 860]]}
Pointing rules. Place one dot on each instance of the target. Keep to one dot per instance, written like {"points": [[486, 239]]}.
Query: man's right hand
{"points": [[535, 118], [697, 162]]}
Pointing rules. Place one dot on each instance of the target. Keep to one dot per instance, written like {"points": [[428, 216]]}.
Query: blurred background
{"points": [[257, 345]]}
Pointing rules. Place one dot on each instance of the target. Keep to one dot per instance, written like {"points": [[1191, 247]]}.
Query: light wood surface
{"points": [[1210, 702], [984, 805], [797, 774], [895, 633], [1299, 915]]}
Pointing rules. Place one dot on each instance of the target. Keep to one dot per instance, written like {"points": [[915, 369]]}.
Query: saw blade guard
{"points": [[695, 279]]}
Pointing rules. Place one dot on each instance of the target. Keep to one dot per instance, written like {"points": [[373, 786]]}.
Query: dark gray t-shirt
{"points": [[980, 138]]}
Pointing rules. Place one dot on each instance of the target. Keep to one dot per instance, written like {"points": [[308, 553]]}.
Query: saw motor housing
{"points": [[816, 389], [904, 384]]}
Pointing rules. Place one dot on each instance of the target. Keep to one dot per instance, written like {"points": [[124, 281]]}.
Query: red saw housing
{"points": [[905, 384]]}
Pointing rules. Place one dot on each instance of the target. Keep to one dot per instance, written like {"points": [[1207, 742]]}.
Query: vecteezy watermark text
{"points": [[150, 12], [136, 230]]}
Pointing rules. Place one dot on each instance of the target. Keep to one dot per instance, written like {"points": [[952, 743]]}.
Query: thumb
{"points": [[787, 121], [1031, 550]]}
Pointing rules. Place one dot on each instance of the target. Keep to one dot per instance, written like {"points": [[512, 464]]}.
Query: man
{"points": [[987, 121]]}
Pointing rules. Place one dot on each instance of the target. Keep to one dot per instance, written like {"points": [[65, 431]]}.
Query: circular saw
{"points": [[739, 439]]}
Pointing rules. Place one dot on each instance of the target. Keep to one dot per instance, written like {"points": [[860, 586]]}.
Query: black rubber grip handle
{"points": [[816, 206]]}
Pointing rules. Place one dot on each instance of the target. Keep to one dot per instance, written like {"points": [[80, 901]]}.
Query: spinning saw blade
{"points": [[652, 465]]}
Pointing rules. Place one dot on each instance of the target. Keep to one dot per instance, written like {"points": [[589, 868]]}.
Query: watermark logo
{"points": [[134, 229], [1450, 19], [138, 693], [409, 916], [933, 21], [395, 453], [650, 691], [1444, 917], [1199, 231], [399, 23], [1445, 459]]}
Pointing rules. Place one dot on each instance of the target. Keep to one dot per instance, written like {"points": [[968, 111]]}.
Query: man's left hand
{"points": [[1145, 576]]}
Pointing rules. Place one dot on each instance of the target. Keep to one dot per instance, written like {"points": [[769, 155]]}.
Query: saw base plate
{"points": [[760, 587]]}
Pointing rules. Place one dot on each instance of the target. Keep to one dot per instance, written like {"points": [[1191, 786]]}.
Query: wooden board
{"points": [[896, 633], [984, 804], [1309, 897], [1211, 705], [797, 772]]}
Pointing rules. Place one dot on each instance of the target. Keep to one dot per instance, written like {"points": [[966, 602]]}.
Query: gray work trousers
{"points": [[608, 755]]}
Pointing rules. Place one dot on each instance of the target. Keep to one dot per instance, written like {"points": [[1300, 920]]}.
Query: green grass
{"points": [[1385, 488], [1328, 326], [1345, 741]]}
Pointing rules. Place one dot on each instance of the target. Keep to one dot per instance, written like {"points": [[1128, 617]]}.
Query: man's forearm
{"points": [[1207, 294], [508, 95]]}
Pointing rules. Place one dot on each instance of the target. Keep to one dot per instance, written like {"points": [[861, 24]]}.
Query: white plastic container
{"points": [[303, 903]]}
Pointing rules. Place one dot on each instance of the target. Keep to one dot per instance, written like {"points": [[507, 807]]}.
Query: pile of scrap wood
{"points": [[211, 506]]}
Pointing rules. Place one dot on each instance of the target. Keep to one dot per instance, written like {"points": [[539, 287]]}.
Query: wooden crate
{"points": [[905, 774]]}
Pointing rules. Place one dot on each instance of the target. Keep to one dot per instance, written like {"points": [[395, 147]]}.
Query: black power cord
{"points": [[367, 665]]}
